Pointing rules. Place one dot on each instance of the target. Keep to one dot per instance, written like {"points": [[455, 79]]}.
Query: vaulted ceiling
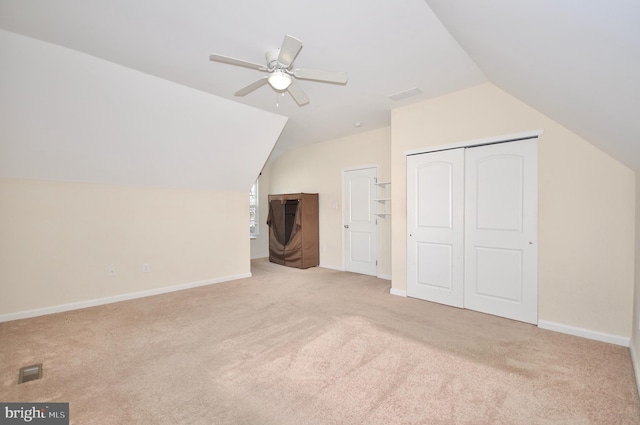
{"points": [[577, 62]]}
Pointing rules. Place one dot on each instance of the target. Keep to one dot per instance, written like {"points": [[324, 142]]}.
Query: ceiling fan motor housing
{"points": [[272, 59]]}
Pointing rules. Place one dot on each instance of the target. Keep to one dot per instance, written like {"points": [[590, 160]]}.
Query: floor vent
{"points": [[30, 373]]}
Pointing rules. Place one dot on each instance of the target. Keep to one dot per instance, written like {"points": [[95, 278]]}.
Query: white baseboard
{"points": [[398, 292], [585, 333], [384, 276], [116, 298], [331, 267]]}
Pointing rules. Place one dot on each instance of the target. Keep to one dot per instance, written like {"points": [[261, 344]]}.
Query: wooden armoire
{"points": [[293, 230]]}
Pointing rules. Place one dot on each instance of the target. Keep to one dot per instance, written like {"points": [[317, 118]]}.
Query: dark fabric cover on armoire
{"points": [[293, 230]]}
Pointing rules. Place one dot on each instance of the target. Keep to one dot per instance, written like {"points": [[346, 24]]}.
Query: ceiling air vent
{"points": [[405, 94]]}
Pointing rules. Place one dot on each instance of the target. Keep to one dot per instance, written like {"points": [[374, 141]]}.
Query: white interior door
{"points": [[501, 230], [435, 220], [360, 227]]}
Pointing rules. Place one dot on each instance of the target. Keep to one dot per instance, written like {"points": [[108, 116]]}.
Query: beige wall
{"points": [[318, 168], [57, 240], [586, 204], [635, 338]]}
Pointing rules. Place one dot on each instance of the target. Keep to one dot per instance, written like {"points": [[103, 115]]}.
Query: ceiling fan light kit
{"points": [[279, 80], [281, 75]]}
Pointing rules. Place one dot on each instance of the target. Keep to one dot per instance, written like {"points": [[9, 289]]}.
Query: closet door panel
{"points": [[501, 230], [435, 237]]}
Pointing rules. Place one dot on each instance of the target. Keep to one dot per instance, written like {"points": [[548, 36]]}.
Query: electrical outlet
{"points": [[146, 268], [111, 271]]}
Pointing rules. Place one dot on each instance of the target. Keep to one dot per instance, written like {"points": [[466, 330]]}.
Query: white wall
{"points": [[318, 168], [586, 205], [58, 240]]}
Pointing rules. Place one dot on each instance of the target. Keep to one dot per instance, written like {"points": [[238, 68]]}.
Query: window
{"points": [[253, 210]]}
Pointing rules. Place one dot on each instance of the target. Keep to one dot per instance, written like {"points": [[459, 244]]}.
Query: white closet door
{"points": [[435, 220], [501, 230]]}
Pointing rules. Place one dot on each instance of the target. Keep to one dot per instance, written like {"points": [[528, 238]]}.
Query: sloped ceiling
{"points": [[578, 62], [68, 116], [385, 47]]}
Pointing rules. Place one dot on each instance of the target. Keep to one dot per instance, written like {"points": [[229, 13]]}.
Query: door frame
{"points": [[344, 213]]}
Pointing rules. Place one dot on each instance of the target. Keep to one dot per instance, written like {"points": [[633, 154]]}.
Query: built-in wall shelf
{"points": [[384, 199]]}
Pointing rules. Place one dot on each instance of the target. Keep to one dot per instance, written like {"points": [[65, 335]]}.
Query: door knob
{"points": [[346, 226]]}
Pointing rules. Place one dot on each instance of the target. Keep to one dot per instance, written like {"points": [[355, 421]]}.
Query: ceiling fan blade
{"points": [[297, 94], [319, 75], [290, 48], [251, 87], [239, 62]]}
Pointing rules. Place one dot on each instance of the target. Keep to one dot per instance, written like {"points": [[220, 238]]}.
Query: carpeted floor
{"points": [[315, 346]]}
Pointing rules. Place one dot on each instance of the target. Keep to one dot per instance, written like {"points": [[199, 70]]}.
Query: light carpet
{"points": [[314, 346]]}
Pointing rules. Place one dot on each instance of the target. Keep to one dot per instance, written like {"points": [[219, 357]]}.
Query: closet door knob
{"points": [[346, 226]]}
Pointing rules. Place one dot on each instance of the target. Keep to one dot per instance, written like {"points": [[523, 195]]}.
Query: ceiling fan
{"points": [[282, 75]]}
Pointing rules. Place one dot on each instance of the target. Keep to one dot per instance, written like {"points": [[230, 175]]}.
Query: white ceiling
{"points": [[576, 61], [80, 118], [385, 47]]}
